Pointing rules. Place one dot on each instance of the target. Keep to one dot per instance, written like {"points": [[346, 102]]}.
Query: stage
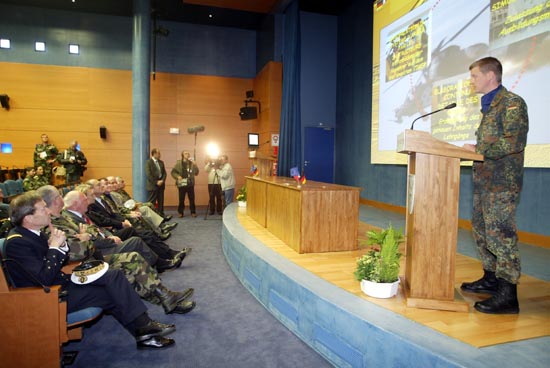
{"points": [[317, 298]]}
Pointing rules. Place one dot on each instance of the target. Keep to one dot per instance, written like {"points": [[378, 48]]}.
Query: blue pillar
{"points": [[141, 56]]}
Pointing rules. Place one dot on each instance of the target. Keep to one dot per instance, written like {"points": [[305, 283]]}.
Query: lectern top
{"points": [[416, 141]]}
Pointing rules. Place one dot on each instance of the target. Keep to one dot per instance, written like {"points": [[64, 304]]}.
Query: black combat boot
{"points": [[505, 301], [165, 264], [172, 301], [485, 285]]}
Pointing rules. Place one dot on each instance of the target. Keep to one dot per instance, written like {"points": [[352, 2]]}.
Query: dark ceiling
{"points": [[236, 13]]}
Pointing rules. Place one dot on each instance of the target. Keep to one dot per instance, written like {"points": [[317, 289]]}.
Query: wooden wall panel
{"points": [[72, 103], [268, 87]]}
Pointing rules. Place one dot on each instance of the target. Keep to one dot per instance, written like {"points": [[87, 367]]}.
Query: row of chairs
{"points": [[12, 188]]}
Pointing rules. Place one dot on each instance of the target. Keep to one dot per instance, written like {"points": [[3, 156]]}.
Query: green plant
{"points": [[241, 195], [381, 262]]}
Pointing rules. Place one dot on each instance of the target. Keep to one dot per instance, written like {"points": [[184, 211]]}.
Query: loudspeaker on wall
{"points": [[248, 113], [103, 132]]}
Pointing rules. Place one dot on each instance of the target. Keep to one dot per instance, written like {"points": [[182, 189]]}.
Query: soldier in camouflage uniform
{"points": [[45, 155], [501, 139], [39, 179], [74, 161], [137, 270], [28, 182]]}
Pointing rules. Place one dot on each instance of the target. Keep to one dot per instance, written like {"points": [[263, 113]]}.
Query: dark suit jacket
{"points": [[152, 175], [104, 218], [33, 254]]}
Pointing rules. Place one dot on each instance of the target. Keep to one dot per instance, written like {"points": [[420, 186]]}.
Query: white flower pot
{"points": [[242, 203], [379, 289]]}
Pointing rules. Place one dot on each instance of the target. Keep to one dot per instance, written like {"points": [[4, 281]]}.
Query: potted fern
{"points": [[378, 269]]}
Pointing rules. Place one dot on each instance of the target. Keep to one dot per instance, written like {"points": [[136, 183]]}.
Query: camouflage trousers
{"points": [[138, 272], [494, 230]]}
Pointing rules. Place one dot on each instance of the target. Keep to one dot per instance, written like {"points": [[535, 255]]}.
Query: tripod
{"points": [[212, 201]]}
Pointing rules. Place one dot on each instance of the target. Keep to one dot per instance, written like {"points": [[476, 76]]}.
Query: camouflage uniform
{"points": [[76, 167], [42, 153], [501, 139], [40, 181], [137, 270], [29, 183]]}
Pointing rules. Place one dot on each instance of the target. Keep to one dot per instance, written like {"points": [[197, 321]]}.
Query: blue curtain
{"points": [[290, 138]]}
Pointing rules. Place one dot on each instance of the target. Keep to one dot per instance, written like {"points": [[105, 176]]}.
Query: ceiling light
{"points": [[40, 46], [74, 49], [5, 43]]}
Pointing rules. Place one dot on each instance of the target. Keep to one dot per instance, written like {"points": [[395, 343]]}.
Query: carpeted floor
{"points": [[228, 328]]}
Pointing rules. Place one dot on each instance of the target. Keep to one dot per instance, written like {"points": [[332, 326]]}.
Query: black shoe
{"points": [[505, 301], [168, 226], [167, 218], [486, 285], [153, 329], [180, 256], [170, 300], [164, 236], [183, 307], [166, 264], [155, 342], [184, 295]]}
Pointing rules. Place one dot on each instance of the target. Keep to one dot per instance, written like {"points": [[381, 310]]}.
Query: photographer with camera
{"points": [[184, 173], [227, 179], [214, 186]]}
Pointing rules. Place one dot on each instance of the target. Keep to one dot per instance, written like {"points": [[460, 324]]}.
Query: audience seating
{"points": [[13, 187], [35, 323]]}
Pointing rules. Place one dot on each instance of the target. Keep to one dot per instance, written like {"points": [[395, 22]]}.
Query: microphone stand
{"points": [[29, 275], [451, 106]]}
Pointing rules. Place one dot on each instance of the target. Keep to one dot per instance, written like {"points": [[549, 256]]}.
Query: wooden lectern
{"points": [[433, 185]]}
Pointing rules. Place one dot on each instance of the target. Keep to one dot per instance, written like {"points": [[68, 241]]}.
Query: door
{"points": [[319, 154]]}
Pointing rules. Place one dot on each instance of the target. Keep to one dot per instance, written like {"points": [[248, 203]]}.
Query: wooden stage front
{"points": [[473, 328]]}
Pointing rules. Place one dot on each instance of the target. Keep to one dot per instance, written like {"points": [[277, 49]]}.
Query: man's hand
{"points": [[83, 237], [159, 183], [57, 237], [469, 147], [115, 239], [126, 223]]}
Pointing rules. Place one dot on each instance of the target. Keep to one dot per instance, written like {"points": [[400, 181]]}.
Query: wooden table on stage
{"points": [[311, 218]]}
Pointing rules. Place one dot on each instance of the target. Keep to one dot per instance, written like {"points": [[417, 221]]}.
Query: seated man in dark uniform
{"points": [[42, 258]]}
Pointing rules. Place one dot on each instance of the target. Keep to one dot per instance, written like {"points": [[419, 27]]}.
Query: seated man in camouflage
{"points": [[29, 182], [40, 179], [141, 276], [155, 221], [124, 196]]}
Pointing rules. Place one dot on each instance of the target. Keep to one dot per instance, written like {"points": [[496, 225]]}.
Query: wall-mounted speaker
{"points": [[5, 101], [103, 132], [248, 113]]}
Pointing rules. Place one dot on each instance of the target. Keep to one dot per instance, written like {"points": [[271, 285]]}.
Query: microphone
{"points": [[451, 106], [195, 129], [27, 273]]}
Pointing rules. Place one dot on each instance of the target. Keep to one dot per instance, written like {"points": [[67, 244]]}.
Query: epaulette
{"points": [[14, 236]]}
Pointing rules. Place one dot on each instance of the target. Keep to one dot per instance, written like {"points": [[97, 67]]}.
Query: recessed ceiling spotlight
{"points": [[210, 16]]}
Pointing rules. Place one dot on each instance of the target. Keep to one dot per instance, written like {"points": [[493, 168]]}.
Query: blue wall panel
{"points": [[387, 183]]}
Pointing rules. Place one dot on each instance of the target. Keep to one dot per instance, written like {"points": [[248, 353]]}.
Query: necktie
{"points": [[87, 220], [158, 168]]}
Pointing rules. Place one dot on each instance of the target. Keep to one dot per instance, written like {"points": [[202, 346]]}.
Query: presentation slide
{"points": [[422, 51]]}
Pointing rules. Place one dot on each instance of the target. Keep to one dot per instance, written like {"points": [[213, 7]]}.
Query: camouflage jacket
{"points": [[501, 139], [29, 184], [77, 166], [44, 152]]}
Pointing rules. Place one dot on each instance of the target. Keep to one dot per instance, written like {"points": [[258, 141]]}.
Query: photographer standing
{"points": [[184, 173], [214, 186], [227, 179]]}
